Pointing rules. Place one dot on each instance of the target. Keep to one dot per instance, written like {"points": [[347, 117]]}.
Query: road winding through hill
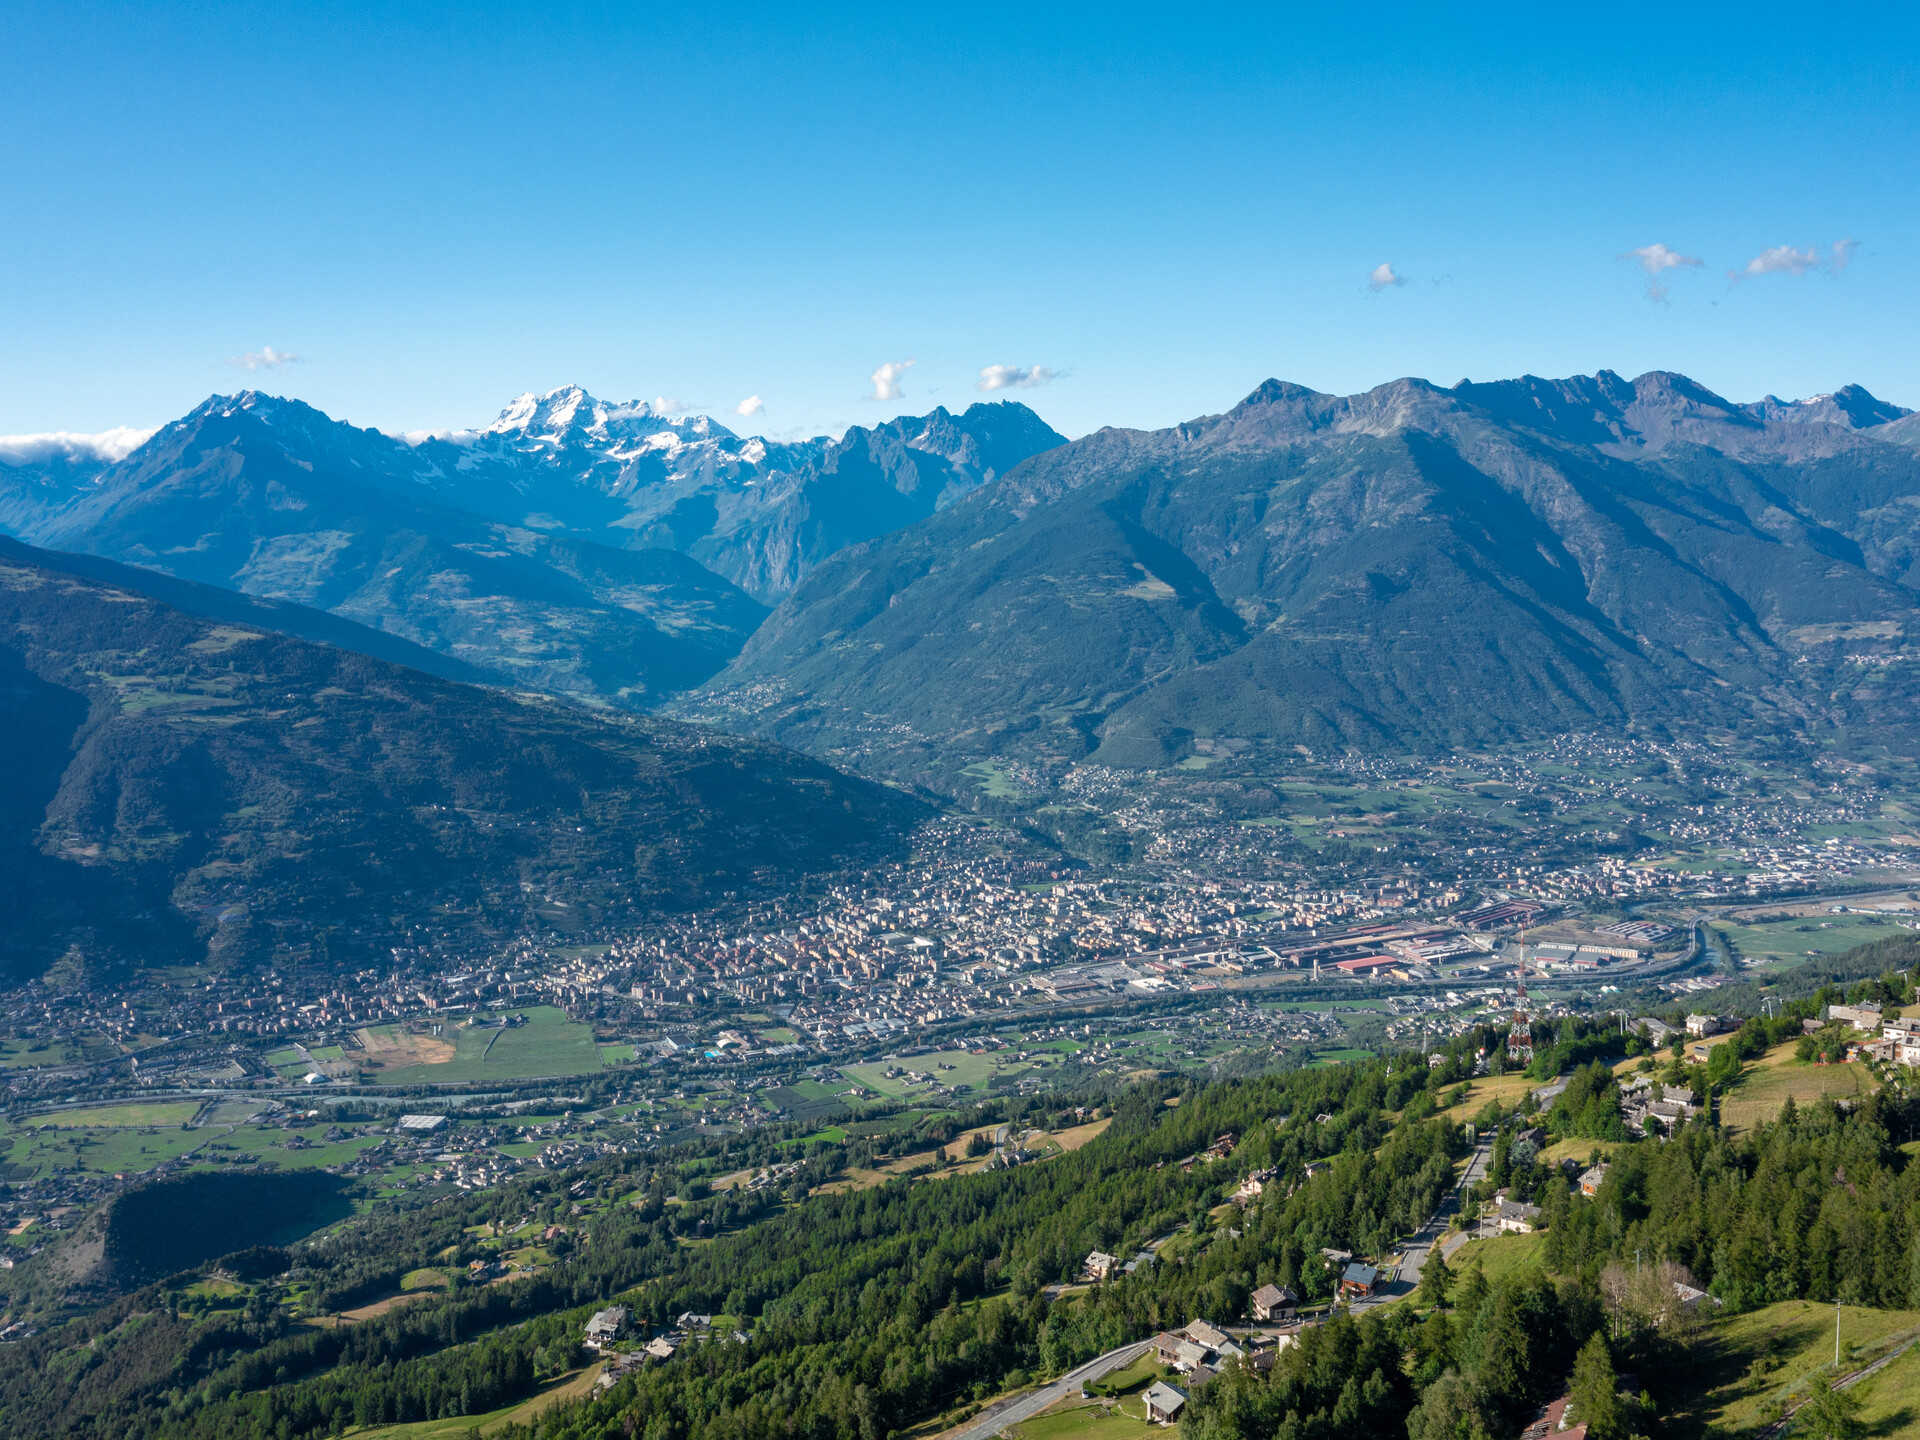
{"points": [[1428, 1235]]}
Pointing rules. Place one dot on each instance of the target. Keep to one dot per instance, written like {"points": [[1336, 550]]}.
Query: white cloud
{"points": [[1656, 259], [666, 405], [265, 358], [1383, 278], [1786, 260], [886, 380], [752, 405], [1015, 377], [108, 445]]}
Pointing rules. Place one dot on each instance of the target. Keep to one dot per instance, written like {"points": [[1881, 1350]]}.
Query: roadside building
{"points": [[1358, 1281], [1274, 1302], [1515, 1218]]}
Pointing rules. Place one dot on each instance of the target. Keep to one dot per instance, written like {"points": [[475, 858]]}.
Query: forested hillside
{"points": [[181, 788], [870, 1311]]}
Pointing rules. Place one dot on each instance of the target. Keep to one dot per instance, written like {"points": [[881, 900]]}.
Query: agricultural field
{"points": [[123, 1116], [24, 1053], [1795, 939], [31, 1153], [963, 1071], [1766, 1084], [548, 1044], [1074, 1419], [571, 1386]]}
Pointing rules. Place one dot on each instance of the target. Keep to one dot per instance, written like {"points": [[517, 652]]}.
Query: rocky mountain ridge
{"points": [[1412, 567]]}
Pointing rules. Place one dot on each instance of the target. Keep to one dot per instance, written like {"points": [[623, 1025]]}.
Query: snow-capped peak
{"points": [[570, 413]]}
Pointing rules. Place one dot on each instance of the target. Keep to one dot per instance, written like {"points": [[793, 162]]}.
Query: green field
{"points": [[1791, 940], [548, 1044], [121, 1116], [1498, 1257], [37, 1052], [103, 1151], [1765, 1085], [973, 1072], [1078, 1420]]}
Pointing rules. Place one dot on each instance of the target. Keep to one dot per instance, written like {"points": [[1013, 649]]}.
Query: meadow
{"points": [[548, 1044], [968, 1071]]}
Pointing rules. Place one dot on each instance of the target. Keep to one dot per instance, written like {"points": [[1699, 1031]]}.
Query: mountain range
{"points": [[184, 788], [604, 552], [1411, 568]]}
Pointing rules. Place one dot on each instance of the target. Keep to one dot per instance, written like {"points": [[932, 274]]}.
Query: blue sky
{"points": [[437, 208]]}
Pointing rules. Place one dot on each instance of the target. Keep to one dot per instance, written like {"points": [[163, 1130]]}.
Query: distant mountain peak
{"points": [[571, 414]]}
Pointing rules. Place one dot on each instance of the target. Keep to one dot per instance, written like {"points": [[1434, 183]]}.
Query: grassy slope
{"points": [[1796, 1340], [1770, 1080]]}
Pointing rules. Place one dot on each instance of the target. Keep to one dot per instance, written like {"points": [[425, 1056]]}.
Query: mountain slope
{"points": [[214, 602], [187, 789], [1409, 568], [572, 546], [274, 499], [761, 513]]}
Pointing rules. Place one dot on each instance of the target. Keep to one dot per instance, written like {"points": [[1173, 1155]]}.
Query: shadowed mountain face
{"points": [[572, 547], [1410, 568], [187, 789]]}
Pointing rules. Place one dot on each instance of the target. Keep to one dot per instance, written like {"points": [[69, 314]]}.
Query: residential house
{"points": [[1864, 1016], [1100, 1265], [1701, 1026], [606, 1326], [1210, 1336], [1590, 1179], [1165, 1402], [661, 1348], [1515, 1218], [1190, 1355], [1658, 1032], [1358, 1281], [1274, 1302]]}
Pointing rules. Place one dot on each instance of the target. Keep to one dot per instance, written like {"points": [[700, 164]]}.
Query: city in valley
{"points": [[1376, 905]]}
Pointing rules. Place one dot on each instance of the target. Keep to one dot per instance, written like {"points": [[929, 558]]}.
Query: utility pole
{"points": [[1836, 1336]]}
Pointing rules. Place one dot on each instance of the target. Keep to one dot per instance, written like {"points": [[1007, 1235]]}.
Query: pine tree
{"points": [[1595, 1403], [1829, 1414], [1436, 1281]]}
